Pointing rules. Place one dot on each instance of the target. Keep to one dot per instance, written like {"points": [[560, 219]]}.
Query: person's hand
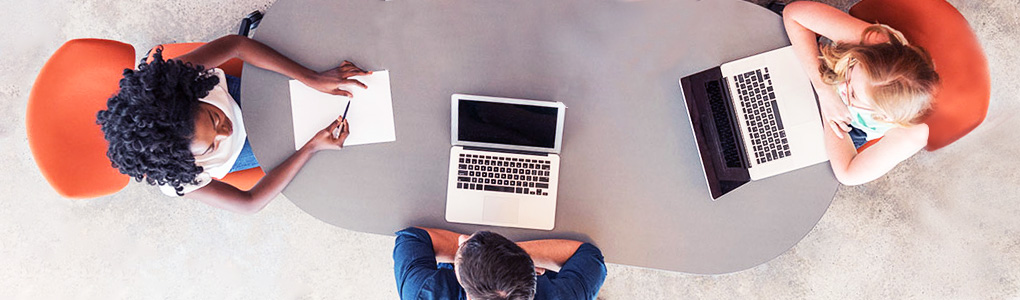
{"points": [[337, 81], [325, 139], [835, 114], [539, 271]]}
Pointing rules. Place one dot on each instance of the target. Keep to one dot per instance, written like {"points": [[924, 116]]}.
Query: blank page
{"points": [[370, 115]]}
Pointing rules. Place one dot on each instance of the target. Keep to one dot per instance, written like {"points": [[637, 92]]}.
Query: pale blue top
{"points": [[864, 119]]}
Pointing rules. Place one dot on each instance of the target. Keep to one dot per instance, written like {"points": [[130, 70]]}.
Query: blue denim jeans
{"points": [[247, 158]]}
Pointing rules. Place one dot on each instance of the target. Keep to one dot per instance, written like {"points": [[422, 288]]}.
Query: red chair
{"points": [[962, 100], [65, 140]]}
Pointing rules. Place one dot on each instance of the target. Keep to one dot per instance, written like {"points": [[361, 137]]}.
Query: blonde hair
{"points": [[902, 76]]}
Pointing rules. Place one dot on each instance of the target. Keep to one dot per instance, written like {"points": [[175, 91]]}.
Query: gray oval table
{"points": [[631, 181]]}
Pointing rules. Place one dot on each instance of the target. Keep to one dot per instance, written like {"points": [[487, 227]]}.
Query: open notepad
{"points": [[370, 115]]}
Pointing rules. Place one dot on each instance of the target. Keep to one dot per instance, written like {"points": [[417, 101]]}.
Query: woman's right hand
{"points": [[835, 114], [325, 139]]}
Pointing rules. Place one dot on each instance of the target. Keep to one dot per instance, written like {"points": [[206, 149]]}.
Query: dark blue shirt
{"points": [[420, 277]]}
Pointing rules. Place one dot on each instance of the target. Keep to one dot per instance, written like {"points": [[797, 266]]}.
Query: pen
{"points": [[336, 132]]}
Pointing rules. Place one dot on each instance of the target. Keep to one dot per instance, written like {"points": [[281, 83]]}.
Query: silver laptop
{"points": [[753, 118], [504, 163]]}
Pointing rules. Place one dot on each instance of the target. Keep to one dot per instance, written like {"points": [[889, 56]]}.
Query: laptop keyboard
{"points": [[721, 116], [761, 113], [503, 174]]}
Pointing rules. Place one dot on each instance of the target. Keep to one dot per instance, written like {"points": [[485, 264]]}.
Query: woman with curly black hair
{"points": [[178, 125]]}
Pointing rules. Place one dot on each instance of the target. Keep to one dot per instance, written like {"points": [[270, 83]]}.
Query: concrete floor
{"points": [[942, 225]]}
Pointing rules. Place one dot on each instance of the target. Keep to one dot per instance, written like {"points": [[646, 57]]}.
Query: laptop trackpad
{"points": [[500, 210]]}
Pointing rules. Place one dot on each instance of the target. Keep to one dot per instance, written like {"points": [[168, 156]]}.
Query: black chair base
{"points": [[776, 7], [249, 23]]}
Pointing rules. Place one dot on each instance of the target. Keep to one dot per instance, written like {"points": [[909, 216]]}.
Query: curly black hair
{"points": [[149, 123]]}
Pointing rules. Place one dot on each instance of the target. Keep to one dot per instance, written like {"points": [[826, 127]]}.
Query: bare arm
{"points": [[226, 196], [444, 244], [821, 19], [550, 254], [547, 254], [253, 52], [223, 195], [852, 168], [804, 21], [221, 50]]}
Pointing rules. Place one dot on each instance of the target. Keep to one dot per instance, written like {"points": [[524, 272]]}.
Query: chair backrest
{"points": [[67, 144], [962, 100], [232, 67]]}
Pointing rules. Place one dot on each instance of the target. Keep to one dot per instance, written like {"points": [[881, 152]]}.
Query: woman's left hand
{"points": [[337, 81]]}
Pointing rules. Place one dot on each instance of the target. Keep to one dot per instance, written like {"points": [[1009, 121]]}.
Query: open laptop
{"points": [[504, 163], [753, 118]]}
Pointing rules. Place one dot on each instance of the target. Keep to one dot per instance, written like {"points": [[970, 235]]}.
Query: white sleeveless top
{"points": [[218, 163]]}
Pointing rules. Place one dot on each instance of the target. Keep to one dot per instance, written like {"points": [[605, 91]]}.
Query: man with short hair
{"points": [[440, 264]]}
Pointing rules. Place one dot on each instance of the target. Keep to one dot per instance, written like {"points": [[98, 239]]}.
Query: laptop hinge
{"points": [[735, 123], [507, 151]]}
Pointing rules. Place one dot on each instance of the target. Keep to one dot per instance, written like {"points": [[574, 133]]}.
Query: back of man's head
{"points": [[489, 267]]}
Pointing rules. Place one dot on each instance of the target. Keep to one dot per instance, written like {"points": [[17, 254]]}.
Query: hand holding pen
{"points": [[343, 121], [333, 136]]}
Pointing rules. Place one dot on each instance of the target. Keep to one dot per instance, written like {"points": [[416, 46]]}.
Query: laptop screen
{"points": [[506, 123]]}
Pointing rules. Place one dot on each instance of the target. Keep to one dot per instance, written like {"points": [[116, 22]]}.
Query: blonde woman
{"points": [[871, 83]]}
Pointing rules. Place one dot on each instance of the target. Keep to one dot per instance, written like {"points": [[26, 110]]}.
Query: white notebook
{"points": [[370, 115]]}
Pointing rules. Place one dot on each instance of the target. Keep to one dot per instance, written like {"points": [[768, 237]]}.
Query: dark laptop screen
{"points": [[509, 124]]}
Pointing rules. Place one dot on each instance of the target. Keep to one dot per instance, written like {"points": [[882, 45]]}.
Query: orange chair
{"points": [[65, 140], [962, 100]]}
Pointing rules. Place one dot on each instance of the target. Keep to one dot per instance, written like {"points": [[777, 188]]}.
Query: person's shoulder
{"points": [[914, 136], [581, 276], [586, 259], [413, 249], [415, 233], [438, 283], [587, 249]]}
